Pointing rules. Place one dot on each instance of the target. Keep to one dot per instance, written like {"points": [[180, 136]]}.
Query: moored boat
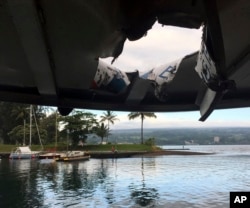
{"points": [[49, 155], [23, 153], [73, 156]]}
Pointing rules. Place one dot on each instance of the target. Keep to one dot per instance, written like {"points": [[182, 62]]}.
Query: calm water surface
{"points": [[165, 181]]}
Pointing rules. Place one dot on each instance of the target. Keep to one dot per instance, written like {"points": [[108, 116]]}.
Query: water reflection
{"points": [[141, 194], [72, 177], [172, 181], [95, 183], [19, 184]]}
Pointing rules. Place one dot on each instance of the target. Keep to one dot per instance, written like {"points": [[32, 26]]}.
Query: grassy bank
{"points": [[107, 147], [119, 147], [6, 147]]}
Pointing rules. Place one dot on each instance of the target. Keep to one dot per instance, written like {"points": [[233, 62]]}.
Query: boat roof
{"points": [[50, 52], [24, 149]]}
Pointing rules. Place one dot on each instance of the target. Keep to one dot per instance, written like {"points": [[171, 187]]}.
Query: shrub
{"points": [[150, 141]]}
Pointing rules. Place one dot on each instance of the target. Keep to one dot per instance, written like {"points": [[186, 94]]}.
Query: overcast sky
{"points": [[160, 46], [219, 118]]}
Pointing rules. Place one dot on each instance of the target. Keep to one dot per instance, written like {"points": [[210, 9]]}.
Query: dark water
{"points": [[165, 181]]}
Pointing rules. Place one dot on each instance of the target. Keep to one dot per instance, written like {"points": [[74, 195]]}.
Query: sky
{"points": [[160, 46], [238, 117]]}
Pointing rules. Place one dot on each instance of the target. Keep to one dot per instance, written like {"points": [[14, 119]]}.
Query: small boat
{"points": [[23, 153], [73, 156], [49, 155]]}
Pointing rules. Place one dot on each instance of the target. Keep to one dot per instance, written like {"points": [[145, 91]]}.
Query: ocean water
{"points": [[163, 181]]}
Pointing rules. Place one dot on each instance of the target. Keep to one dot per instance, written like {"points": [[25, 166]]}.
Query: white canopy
{"points": [[24, 149]]}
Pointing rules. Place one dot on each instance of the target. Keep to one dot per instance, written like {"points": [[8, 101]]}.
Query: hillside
{"points": [[178, 136]]}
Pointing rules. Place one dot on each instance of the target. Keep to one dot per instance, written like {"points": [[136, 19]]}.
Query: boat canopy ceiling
{"points": [[50, 54]]}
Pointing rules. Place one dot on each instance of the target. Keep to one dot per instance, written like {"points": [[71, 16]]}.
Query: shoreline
{"points": [[127, 154]]}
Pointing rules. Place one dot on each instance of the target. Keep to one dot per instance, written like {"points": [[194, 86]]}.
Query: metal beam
{"points": [[27, 23]]}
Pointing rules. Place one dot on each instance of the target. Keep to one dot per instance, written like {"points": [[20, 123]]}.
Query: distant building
{"points": [[216, 139], [190, 142]]}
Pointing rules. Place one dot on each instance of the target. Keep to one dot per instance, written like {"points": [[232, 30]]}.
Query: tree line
{"points": [[178, 136], [20, 122], [47, 124]]}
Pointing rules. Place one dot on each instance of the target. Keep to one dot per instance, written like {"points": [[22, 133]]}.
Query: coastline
{"points": [[126, 154], [175, 152]]}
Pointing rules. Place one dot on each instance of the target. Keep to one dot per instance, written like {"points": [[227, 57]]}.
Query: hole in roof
{"points": [[161, 45]]}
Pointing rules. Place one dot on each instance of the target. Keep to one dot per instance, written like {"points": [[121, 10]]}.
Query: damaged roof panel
{"points": [[50, 52]]}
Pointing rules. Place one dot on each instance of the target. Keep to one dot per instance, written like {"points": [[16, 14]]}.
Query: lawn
{"points": [[106, 147], [119, 147], [6, 147]]}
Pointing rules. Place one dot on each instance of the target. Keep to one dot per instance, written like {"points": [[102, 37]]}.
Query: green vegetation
{"points": [[119, 147], [82, 127], [78, 125], [178, 136], [6, 147], [108, 147], [102, 131], [142, 116], [46, 127], [110, 117]]}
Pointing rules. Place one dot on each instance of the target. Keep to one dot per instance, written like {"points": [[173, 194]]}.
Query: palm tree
{"points": [[142, 115], [110, 117], [102, 131], [21, 114]]}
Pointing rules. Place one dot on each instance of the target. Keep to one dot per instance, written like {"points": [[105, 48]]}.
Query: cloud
{"points": [[238, 117], [160, 46], [220, 118]]}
